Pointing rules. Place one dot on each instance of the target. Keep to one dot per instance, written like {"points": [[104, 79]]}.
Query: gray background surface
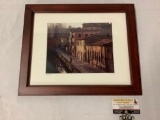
{"points": [[13, 107]]}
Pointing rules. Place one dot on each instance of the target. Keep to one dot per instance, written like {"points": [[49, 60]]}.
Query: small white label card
{"points": [[120, 105]]}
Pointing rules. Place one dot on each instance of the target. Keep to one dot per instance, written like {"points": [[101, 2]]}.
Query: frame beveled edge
{"points": [[26, 89]]}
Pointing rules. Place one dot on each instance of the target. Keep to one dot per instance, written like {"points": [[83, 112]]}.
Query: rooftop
{"points": [[81, 30], [97, 40], [96, 24]]}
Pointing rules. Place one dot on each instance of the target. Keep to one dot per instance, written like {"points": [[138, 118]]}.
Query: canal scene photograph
{"points": [[79, 48]]}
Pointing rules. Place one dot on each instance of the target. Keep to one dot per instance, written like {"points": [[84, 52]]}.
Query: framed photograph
{"points": [[80, 49]]}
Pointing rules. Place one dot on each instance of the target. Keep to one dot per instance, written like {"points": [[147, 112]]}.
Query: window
{"points": [[86, 35], [79, 35]]}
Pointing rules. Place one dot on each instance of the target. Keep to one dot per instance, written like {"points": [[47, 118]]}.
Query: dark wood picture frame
{"points": [[24, 80]]}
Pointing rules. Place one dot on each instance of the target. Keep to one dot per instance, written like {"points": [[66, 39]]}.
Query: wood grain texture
{"points": [[24, 79]]}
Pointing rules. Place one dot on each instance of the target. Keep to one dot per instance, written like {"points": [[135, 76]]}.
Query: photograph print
{"points": [[79, 48]]}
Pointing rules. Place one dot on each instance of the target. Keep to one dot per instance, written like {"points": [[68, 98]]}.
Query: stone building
{"points": [[87, 30], [64, 43], [97, 50], [79, 33], [81, 50]]}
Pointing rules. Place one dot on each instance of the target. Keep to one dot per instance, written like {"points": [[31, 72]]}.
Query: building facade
{"points": [[78, 34], [97, 51], [87, 30], [81, 50], [93, 44]]}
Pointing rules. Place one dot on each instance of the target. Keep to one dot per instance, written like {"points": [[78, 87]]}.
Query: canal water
{"points": [[54, 64]]}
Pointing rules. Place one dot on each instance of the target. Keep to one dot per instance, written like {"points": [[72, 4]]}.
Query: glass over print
{"points": [[80, 50]]}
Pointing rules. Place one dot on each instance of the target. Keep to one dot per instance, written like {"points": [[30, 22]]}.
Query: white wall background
{"points": [[13, 107]]}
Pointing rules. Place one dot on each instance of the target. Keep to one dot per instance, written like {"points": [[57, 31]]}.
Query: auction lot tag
{"points": [[122, 104]]}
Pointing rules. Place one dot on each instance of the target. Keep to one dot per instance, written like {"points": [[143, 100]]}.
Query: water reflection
{"points": [[54, 64], [60, 68]]}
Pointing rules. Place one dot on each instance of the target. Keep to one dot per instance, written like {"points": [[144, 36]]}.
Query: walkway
{"points": [[83, 67]]}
